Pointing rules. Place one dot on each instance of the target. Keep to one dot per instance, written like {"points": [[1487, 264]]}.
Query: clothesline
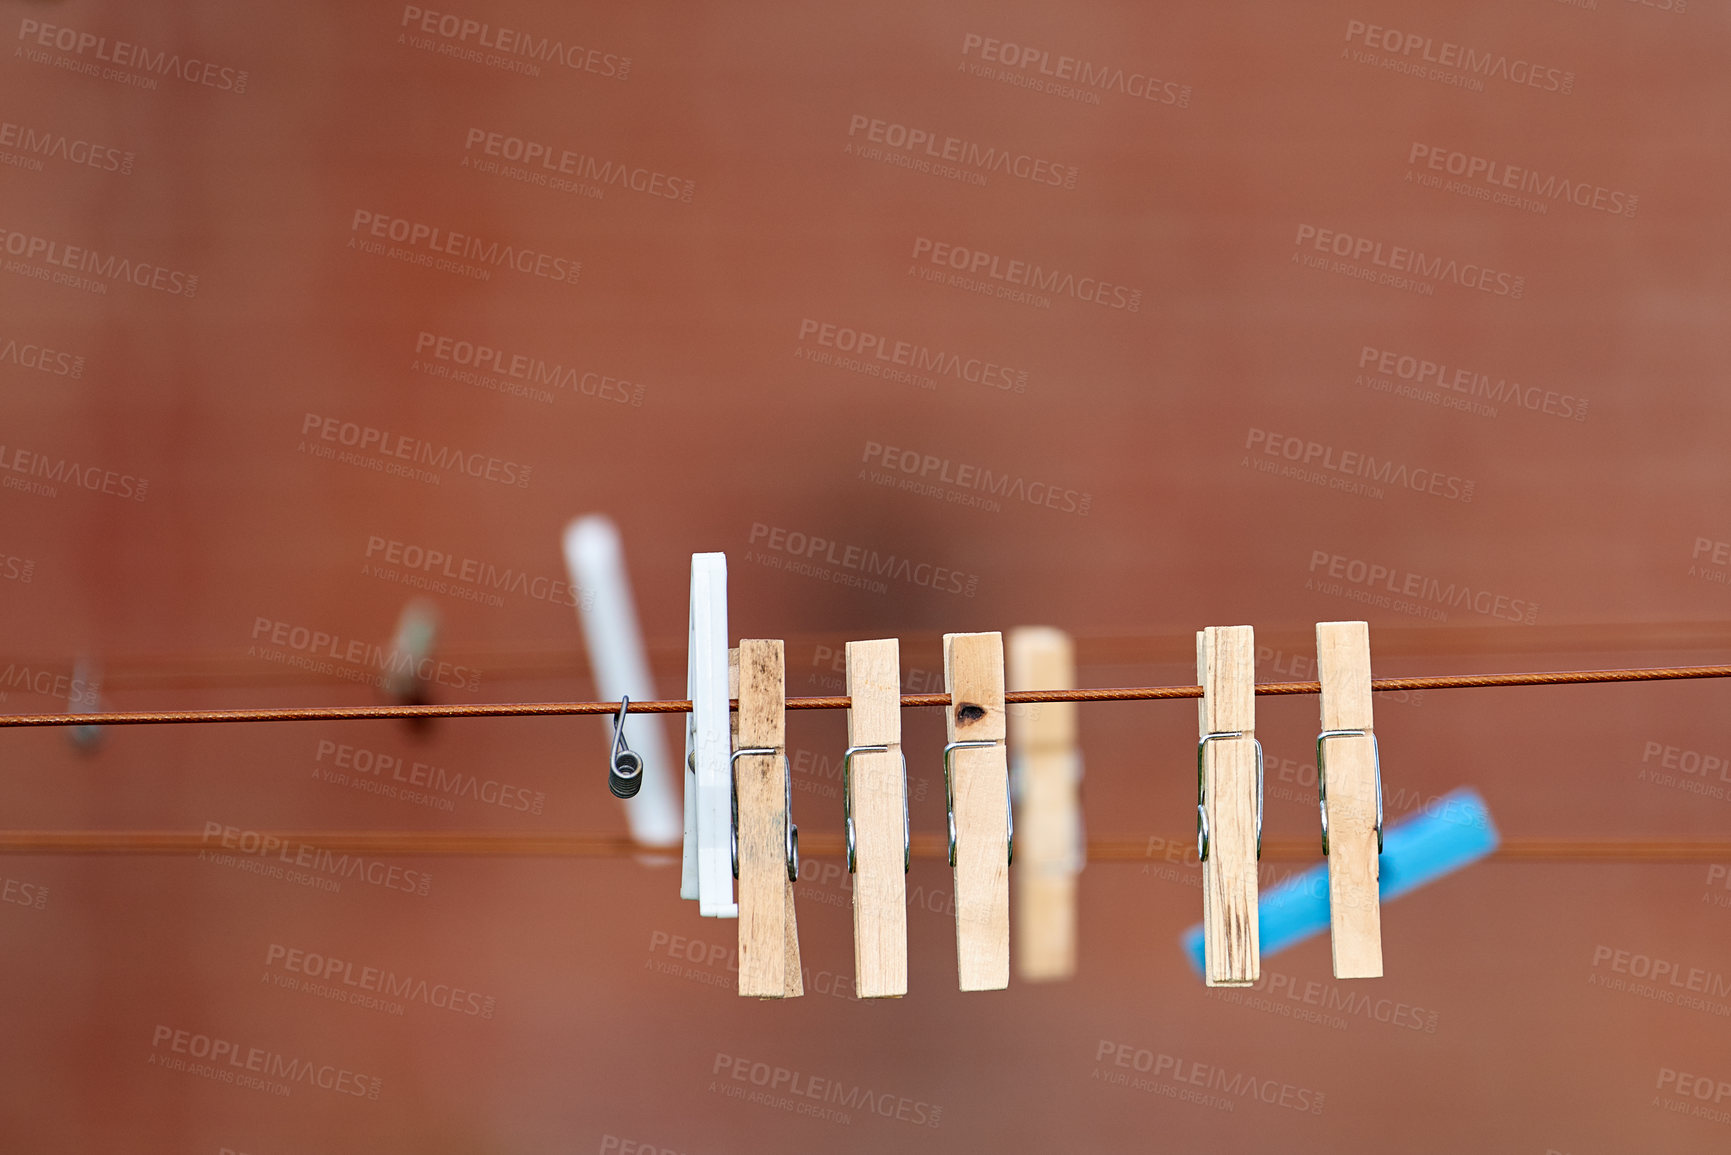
{"points": [[683, 706], [491, 844]]}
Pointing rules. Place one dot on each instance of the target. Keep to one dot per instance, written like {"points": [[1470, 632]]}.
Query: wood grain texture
{"points": [[880, 905], [974, 677], [768, 936], [733, 693], [1048, 806], [1226, 669], [1354, 906]]}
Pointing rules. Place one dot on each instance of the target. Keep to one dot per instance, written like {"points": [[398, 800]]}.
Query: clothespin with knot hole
{"points": [[977, 794]]}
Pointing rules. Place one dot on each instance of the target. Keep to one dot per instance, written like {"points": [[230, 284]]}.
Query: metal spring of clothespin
{"points": [[847, 805], [792, 830], [1202, 795], [624, 767], [1322, 778], [950, 800]]}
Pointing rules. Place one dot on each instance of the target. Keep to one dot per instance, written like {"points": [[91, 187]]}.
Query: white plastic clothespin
{"points": [[765, 841], [708, 865], [1046, 769], [977, 794], [1349, 788], [1228, 804], [875, 814], [595, 561]]}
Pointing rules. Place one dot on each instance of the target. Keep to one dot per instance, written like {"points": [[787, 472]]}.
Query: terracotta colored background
{"points": [[1597, 500]]}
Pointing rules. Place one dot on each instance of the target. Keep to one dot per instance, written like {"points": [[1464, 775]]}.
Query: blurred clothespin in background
{"points": [[1046, 777], [85, 698], [613, 640], [416, 639]]}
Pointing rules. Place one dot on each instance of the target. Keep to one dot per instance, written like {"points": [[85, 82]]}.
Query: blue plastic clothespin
{"points": [[1417, 850]]}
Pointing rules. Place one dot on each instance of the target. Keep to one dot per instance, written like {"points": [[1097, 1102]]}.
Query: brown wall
{"points": [[1273, 213]]}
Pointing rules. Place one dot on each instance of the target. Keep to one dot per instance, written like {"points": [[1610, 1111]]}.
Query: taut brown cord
{"points": [[489, 844], [682, 706]]}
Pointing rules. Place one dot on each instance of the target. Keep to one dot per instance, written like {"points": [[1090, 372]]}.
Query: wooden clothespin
{"points": [[1349, 783], [1229, 804], [874, 795], [767, 846], [977, 792], [1047, 772]]}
